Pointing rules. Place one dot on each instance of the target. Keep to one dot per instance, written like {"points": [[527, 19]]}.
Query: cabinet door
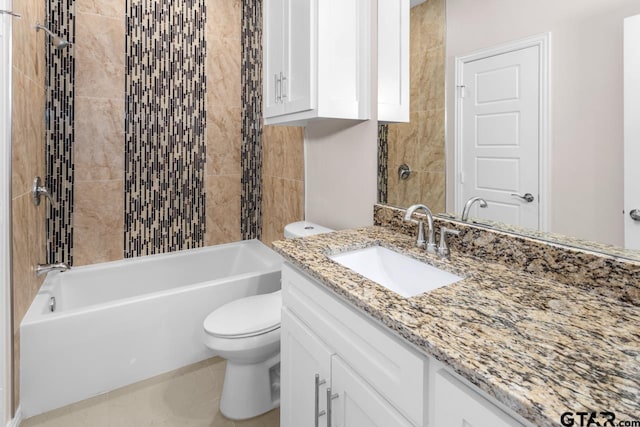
{"points": [[273, 56], [303, 356], [456, 405], [356, 403], [297, 84], [393, 60]]}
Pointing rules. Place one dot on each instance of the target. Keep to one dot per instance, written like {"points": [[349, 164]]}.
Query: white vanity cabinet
{"points": [[393, 61], [341, 369], [313, 375], [317, 60]]}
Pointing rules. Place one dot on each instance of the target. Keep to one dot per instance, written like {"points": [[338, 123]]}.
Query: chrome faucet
{"points": [[420, 242], [46, 268], [443, 245], [470, 202]]}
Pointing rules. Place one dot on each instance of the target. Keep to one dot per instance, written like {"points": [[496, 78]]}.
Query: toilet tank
{"points": [[304, 229]]}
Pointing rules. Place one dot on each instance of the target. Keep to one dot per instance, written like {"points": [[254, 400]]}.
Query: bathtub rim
{"points": [[34, 314]]}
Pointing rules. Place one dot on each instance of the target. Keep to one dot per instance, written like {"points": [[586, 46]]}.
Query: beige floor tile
{"points": [[188, 397]]}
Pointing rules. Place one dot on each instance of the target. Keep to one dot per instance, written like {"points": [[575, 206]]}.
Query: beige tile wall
{"points": [[99, 132], [224, 116], [99, 144], [28, 145], [420, 143], [282, 179]]}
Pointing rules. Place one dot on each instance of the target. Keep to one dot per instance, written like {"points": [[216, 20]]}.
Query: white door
{"points": [[5, 213], [303, 356], [632, 132], [500, 136], [356, 404]]}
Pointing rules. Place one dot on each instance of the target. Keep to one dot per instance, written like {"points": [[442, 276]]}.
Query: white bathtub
{"points": [[121, 322]]}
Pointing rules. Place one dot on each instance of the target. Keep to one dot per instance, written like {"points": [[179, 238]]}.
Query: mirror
{"points": [[586, 149]]}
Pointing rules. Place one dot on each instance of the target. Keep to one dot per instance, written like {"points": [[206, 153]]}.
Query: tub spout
{"points": [[45, 268]]}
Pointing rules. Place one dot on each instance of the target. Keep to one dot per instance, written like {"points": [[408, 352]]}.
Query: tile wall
{"points": [[28, 139], [421, 143], [283, 180], [224, 121], [100, 154], [99, 131]]}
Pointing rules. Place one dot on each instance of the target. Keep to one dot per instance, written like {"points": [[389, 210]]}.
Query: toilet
{"points": [[246, 332]]}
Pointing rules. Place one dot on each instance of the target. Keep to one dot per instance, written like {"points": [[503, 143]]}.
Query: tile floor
{"points": [[188, 397]]}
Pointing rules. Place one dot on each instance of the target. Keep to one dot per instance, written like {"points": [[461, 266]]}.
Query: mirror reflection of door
{"points": [[498, 144], [632, 132]]}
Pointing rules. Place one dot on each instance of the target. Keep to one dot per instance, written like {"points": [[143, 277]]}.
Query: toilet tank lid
{"points": [[303, 229]]}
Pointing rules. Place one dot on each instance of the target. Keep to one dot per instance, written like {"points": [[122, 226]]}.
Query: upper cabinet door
{"points": [[326, 61], [274, 49], [393, 61], [298, 60]]}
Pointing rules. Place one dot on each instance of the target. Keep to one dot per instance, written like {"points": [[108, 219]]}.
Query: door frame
{"points": [[543, 42], [6, 384]]}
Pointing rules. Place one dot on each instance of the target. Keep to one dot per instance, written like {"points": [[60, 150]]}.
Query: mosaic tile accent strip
{"points": [[383, 160], [59, 126], [251, 150], [165, 122]]}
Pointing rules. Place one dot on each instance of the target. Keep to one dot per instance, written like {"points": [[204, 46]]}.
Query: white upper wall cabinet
{"points": [[317, 60], [393, 61]]}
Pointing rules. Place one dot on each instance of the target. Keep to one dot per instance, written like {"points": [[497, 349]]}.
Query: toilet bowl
{"points": [[246, 332]]}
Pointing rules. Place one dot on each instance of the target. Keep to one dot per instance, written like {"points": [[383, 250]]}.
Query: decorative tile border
{"points": [[589, 271], [165, 122], [383, 160], [59, 126], [251, 150]]}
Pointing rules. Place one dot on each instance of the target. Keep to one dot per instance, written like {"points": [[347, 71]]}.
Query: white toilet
{"points": [[246, 332]]}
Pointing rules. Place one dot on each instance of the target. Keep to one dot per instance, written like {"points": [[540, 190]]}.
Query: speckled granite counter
{"points": [[538, 346]]}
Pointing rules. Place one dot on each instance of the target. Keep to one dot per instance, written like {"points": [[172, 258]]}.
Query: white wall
{"points": [[341, 166], [341, 162], [586, 99]]}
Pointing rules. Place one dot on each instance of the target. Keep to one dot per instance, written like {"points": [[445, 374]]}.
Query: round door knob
{"points": [[635, 214]]}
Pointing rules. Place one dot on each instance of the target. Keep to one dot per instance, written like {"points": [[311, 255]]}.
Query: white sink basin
{"points": [[398, 273]]}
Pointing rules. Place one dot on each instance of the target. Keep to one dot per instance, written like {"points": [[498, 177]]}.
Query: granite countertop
{"points": [[540, 347]]}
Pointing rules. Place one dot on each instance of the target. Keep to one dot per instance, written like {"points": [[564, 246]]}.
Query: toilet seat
{"points": [[246, 317]]}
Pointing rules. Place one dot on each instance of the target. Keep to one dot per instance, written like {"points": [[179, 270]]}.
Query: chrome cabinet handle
{"points": [[528, 197], [318, 412], [283, 95], [635, 214], [330, 397], [277, 86]]}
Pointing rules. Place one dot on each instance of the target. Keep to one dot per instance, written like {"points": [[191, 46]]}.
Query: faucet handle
{"points": [[38, 191], [443, 246]]}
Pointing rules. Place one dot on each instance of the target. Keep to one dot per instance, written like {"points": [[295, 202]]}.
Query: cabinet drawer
{"points": [[394, 370], [457, 405]]}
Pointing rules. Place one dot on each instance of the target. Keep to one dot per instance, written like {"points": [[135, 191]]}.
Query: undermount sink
{"points": [[396, 272]]}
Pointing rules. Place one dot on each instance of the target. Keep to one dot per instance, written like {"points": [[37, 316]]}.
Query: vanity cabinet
{"points": [[317, 57], [339, 368], [393, 61], [312, 375]]}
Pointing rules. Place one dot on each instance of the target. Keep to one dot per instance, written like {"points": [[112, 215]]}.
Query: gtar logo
{"points": [[588, 419]]}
